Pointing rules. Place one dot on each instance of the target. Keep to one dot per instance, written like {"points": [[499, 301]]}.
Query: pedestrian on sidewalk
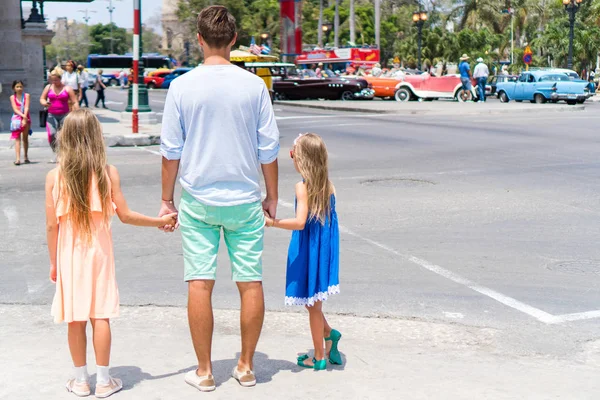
{"points": [[82, 194], [20, 122], [83, 85], [464, 69], [56, 98], [99, 87], [313, 256], [121, 77], [218, 144], [481, 73], [71, 78]]}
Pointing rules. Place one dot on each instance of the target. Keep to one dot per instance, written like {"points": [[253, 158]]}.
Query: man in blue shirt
{"points": [[218, 131], [465, 73]]}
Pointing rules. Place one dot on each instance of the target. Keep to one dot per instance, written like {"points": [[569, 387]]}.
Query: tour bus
{"points": [[112, 64], [340, 58]]}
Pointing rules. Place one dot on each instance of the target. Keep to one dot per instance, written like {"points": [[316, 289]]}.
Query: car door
{"points": [[529, 88], [520, 87]]}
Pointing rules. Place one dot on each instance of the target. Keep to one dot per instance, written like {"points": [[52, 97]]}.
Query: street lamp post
{"points": [[419, 18], [571, 6], [326, 29]]}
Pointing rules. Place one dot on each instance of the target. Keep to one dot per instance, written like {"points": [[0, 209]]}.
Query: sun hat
{"points": [[464, 57], [480, 59]]}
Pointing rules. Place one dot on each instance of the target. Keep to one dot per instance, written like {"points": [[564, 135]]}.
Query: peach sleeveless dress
{"points": [[86, 286]]}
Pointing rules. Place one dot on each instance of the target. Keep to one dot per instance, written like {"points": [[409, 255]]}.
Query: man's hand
{"points": [[270, 207], [167, 207]]}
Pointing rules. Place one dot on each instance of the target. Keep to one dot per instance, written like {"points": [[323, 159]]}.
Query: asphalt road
{"points": [[489, 221]]}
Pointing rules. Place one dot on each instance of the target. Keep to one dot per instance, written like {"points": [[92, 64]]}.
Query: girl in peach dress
{"points": [[82, 194]]}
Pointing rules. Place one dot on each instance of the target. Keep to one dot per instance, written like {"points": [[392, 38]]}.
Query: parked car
{"points": [[294, 88], [426, 87], [175, 74], [542, 86], [491, 87], [156, 78]]}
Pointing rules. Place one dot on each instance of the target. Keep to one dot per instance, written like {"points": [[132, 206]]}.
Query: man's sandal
{"points": [[317, 365], [334, 353], [81, 389]]}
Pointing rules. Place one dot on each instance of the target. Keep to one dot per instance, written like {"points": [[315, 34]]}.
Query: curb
{"points": [[125, 140], [464, 111]]}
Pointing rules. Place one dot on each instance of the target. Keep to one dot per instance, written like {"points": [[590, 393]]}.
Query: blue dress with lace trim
{"points": [[313, 262]]}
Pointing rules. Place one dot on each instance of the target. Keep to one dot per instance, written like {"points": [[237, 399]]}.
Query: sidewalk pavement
{"points": [[440, 107], [384, 359], [116, 133]]}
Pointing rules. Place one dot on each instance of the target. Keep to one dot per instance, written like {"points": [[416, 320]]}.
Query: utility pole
{"points": [[352, 29], [320, 29], [110, 9], [377, 22], [336, 25], [86, 12]]}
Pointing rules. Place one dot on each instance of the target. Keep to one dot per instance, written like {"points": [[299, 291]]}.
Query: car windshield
{"points": [[554, 78]]}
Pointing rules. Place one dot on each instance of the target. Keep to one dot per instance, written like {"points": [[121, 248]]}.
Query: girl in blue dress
{"points": [[313, 255]]}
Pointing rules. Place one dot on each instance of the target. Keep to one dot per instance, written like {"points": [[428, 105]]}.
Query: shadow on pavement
{"points": [[105, 120]]}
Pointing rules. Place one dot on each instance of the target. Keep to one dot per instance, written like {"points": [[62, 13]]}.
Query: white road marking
{"points": [[148, 150], [329, 116], [114, 102], [536, 313], [558, 319], [158, 101]]}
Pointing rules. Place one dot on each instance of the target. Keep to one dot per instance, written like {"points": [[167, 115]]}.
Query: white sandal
{"points": [[112, 387], [81, 389]]}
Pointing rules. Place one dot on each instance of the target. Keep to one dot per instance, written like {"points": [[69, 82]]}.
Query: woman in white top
{"points": [[71, 78]]}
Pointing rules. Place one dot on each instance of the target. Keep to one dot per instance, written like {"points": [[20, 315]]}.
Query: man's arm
{"points": [[171, 147], [271, 174], [268, 150]]}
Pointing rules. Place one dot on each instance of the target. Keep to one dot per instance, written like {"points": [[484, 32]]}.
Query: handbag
{"points": [[16, 123]]}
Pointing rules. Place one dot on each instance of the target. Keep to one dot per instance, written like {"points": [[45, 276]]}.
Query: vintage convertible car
{"points": [[542, 86], [423, 86], [292, 88], [156, 78]]}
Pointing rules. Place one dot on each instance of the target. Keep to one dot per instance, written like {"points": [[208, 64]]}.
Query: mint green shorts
{"points": [[243, 229]]}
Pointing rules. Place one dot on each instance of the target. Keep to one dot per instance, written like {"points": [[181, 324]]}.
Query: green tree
{"points": [[100, 39]]}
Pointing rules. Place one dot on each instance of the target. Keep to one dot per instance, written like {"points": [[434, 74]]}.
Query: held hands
{"points": [[167, 208], [269, 222], [169, 220]]}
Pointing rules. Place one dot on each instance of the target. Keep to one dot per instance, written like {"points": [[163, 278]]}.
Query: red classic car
{"points": [[423, 86], [155, 78]]}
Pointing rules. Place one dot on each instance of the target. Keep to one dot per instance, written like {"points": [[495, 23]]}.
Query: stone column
{"points": [[35, 37], [11, 56]]}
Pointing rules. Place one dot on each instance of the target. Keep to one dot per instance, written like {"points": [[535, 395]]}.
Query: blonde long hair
{"points": [[310, 154], [81, 157]]}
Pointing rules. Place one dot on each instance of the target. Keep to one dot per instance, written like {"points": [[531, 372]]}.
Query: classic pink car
{"points": [[427, 87]]}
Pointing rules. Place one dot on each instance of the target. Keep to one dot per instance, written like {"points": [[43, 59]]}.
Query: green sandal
{"points": [[334, 354], [317, 365]]}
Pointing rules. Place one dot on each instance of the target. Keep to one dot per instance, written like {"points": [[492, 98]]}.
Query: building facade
{"points": [[174, 32]]}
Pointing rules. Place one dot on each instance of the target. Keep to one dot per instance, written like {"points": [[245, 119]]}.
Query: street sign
{"points": [[396, 60], [527, 56]]}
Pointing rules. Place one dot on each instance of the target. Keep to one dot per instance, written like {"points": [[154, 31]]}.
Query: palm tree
{"points": [[352, 30], [377, 22], [320, 27]]}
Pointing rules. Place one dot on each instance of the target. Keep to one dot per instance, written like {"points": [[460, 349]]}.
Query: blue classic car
{"points": [[176, 73], [542, 86]]}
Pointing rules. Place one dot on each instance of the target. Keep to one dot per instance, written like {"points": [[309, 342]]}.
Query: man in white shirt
{"points": [[84, 79], [481, 73], [218, 130]]}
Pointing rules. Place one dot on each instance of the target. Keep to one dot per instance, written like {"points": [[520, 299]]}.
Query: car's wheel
{"points": [[463, 95], [539, 98], [503, 97], [571, 102], [347, 95], [580, 101], [403, 94], [151, 85], [113, 82]]}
